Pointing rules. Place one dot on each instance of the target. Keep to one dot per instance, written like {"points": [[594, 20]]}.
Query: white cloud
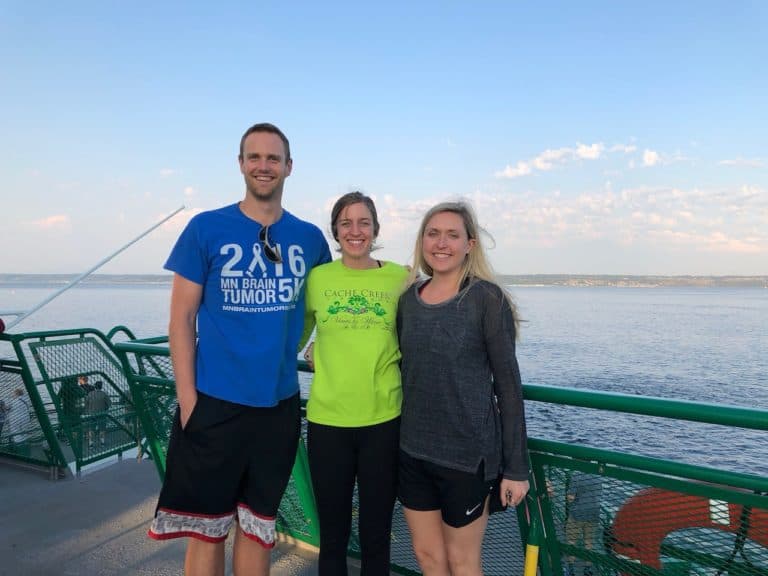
{"points": [[51, 222], [521, 169], [626, 148], [720, 242], [551, 158], [591, 152], [650, 157], [167, 172], [658, 219], [553, 155], [743, 162], [189, 192], [601, 202], [540, 163]]}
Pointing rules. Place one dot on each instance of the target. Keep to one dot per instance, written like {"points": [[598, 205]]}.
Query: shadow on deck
{"points": [[97, 525]]}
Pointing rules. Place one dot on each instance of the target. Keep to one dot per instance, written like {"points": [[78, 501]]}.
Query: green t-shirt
{"points": [[356, 356]]}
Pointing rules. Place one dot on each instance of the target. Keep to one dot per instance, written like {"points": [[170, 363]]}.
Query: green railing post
{"points": [[302, 482], [56, 456], [533, 543], [549, 557]]}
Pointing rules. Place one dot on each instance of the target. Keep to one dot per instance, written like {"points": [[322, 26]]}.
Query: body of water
{"points": [[700, 344]]}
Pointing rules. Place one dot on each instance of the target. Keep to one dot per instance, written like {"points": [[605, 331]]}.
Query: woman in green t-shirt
{"points": [[353, 410]]}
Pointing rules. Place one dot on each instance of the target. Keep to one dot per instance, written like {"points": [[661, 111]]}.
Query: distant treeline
{"points": [[92, 280], [575, 280], [634, 281]]}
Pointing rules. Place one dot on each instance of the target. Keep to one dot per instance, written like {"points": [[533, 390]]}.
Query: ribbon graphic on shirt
{"points": [[257, 259]]}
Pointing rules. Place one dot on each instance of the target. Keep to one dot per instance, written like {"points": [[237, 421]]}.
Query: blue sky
{"points": [[591, 137]]}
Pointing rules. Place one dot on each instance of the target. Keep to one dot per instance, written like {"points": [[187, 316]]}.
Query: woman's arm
{"points": [[500, 334]]}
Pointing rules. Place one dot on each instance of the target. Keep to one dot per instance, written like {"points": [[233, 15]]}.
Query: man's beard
{"points": [[265, 196]]}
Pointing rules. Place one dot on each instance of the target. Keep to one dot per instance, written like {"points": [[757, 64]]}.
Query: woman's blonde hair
{"points": [[475, 265]]}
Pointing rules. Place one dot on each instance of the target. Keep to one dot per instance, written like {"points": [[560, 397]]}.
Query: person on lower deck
{"points": [[97, 403], [583, 496], [19, 418]]}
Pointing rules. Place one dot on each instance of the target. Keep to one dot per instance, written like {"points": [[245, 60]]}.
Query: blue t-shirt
{"points": [[252, 310]]}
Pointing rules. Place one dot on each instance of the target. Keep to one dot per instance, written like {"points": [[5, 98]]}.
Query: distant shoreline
{"points": [[569, 280], [635, 281]]}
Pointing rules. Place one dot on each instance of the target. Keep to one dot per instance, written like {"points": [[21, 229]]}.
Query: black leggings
{"points": [[336, 457]]}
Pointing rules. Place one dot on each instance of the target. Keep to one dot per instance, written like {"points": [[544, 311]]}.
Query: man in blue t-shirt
{"points": [[237, 308]]}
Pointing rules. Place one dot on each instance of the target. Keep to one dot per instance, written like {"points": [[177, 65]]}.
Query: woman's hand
{"points": [[513, 491]]}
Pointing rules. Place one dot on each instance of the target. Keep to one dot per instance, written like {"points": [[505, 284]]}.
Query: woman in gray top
{"points": [[463, 422]]}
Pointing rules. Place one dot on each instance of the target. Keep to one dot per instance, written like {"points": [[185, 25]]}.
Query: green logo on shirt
{"points": [[357, 305]]}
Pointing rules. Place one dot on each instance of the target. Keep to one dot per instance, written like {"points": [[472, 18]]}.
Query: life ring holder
{"points": [[648, 517]]}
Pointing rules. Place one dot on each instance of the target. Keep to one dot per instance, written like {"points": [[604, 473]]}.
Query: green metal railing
{"points": [[50, 425], [655, 515], [154, 394], [592, 509], [627, 534]]}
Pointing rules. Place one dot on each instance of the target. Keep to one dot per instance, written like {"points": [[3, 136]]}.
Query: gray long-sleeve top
{"points": [[462, 395]]}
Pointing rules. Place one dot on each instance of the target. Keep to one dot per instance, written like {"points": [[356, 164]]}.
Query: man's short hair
{"points": [[270, 128]]}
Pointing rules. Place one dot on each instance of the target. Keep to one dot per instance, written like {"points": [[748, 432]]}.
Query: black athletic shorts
{"points": [[230, 459], [460, 496]]}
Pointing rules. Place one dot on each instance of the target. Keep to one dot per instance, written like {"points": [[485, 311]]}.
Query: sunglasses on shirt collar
{"points": [[271, 251]]}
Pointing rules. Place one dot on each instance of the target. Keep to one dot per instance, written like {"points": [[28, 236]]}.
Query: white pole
{"points": [[91, 270]]}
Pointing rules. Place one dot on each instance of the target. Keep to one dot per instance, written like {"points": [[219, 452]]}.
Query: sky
{"points": [[591, 137]]}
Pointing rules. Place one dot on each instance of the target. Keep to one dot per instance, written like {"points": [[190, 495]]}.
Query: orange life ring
{"points": [[646, 518]]}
